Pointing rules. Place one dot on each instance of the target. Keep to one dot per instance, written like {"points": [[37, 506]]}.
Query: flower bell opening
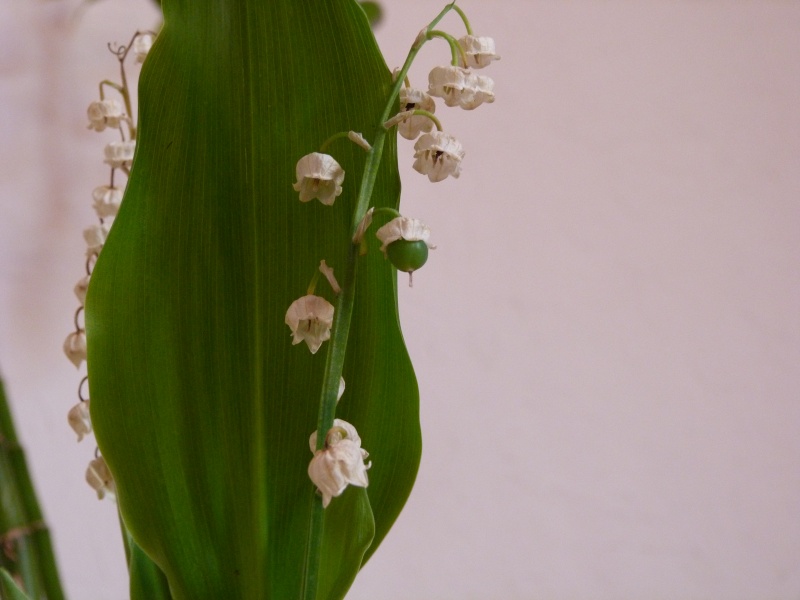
{"points": [[318, 176]]}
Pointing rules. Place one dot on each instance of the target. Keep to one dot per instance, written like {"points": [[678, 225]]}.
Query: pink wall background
{"points": [[607, 338]]}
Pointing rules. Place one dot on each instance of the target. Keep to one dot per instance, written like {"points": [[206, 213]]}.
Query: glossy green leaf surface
{"points": [[201, 405]]}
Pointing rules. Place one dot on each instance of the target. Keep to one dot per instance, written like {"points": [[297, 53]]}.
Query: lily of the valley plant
{"points": [[239, 305]]}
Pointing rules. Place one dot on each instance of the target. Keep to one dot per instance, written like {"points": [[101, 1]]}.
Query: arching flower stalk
{"points": [[113, 114]]}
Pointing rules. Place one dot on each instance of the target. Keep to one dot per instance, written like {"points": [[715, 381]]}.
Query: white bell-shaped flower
{"points": [[438, 155], [79, 419], [141, 46], [75, 347], [119, 154], [80, 289], [310, 318], [95, 236], [106, 201], [99, 477], [478, 50], [414, 99], [460, 87], [319, 176], [403, 228], [104, 113], [340, 462]]}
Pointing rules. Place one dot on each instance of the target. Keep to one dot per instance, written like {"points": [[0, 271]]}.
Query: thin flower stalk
{"points": [[343, 313]]}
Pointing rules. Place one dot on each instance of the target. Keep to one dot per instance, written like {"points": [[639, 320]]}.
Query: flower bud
{"points": [[75, 347], [119, 154], [104, 113], [99, 477], [141, 46], [95, 236], [79, 420], [80, 289], [106, 201]]}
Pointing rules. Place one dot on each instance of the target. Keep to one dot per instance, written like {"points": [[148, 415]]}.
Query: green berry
{"points": [[407, 256]]}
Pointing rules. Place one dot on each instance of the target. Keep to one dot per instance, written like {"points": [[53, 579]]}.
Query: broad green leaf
{"points": [[201, 406], [147, 580]]}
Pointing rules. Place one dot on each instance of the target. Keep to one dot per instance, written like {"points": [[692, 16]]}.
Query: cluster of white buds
{"points": [[115, 114]]}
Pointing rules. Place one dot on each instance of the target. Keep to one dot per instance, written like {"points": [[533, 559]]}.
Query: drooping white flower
{"points": [[141, 46], [119, 154], [104, 113], [95, 236], [99, 477], [438, 155], [310, 318], [106, 201], [80, 289], [339, 394], [339, 463], [79, 420], [460, 87], [403, 228], [478, 50], [414, 99], [75, 347], [319, 176]]}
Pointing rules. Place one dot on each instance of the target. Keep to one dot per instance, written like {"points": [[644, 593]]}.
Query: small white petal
{"points": [[318, 176], [366, 221], [119, 154], [79, 420], [141, 46], [478, 50], [75, 347], [310, 318], [438, 155], [341, 389], [106, 201], [104, 113], [413, 99], [328, 272], [80, 289], [340, 463], [95, 237], [359, 140], [403, 228], [460, 87], [99, 477]]}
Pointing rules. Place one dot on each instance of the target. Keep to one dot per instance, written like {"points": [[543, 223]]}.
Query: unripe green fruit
{"points": [[407, 256]]}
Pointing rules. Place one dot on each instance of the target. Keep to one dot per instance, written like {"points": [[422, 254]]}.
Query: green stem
{"points": [[463, 18], [343, 313], [333, 138], [457, 52], [431, 116], [22, 528]]}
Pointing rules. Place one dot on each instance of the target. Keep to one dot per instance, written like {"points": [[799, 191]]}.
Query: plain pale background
{"points": [[607, 338]]}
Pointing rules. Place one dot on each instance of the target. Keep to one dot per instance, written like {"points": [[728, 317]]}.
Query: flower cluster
{"points": [[115, 114], [339, 461]]}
